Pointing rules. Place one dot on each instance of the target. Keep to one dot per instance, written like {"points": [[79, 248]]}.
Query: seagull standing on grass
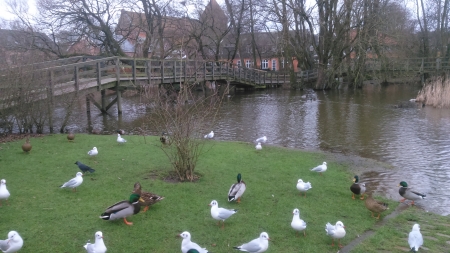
{"points": [[13, 244], [210, 135], [257, 245], [262, 139], [298, 224], [336, 232], [187, 246], [415, 238], [303, 187], [258, 146], [74, 182], [120, 139], [4, 193], [219, 213], [98, 246], [320, 168], [93, 152]]}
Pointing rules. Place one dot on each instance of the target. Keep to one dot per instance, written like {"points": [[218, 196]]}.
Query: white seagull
{"points": [[219, 213], [336, 232], [303, 187], [120, 139], [98, 246], [320, 168], [210, 135], [4, 193], [257, 245], [74, 182], [298, 224], [188, 246], [258, 146], [415, 238], [13, 244], [261, 139], [93, 152]]}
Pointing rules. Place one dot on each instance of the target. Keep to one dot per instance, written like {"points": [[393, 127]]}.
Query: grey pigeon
{"points": [[84, 167]]}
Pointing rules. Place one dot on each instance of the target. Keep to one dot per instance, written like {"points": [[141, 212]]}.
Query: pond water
{"points": [[366, 123]]}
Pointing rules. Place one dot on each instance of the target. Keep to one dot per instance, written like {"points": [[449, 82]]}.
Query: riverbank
{"points": [[38, 207]]}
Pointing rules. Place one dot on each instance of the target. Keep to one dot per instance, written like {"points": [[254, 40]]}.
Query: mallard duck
{"points": [[415, 239], [26, 147], [375, 206], [237, 189], [187, 246], [336, 232], [298, 224], [408, 193], [120, 131], [123, 209], [303, 187], [4, 193], [70, 136], [219, 213], [357, 188], [147, 197], [13, 244], [98, 246], [320, 168], [164, 139]]}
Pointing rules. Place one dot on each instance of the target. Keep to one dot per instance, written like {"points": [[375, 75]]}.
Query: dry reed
{"points": [[436, 92]]}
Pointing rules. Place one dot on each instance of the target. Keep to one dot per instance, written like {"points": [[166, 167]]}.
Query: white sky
{"points": [[4, 13]]}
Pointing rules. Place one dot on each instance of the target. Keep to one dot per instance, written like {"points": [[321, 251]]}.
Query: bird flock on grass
{"points": [[126, 208]]}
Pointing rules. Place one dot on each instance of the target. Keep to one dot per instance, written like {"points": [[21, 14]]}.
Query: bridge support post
{"points": [[119, 99], [51, 102], [103, 93]]}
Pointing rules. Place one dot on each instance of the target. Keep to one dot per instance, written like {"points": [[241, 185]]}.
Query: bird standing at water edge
{"points": [[321, 168], [408, 193], [84, 167], [13, 244], [98, 246], [237, 189], [257, 245], [357, 188], [298, 224], [123, 209], [415, 239], [303, 187], [120, 140], [336, 232], [375, 206], [74, 182], [4, 193], [220, 214], [187, 246]]}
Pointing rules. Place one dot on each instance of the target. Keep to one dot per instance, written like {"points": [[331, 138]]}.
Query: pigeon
{"points": [[84, 167], [298, 224], [303, 187], [98, 246], [258, 146], [93, 152], [4, 193], [120, 139], [190, 247], [415, 238], [74, 182], [13, 244], [257, 245], [210, 135], [219, 213], [336, 232], [262, 139], [320, 168]]}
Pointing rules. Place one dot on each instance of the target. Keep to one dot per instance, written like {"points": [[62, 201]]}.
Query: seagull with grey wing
{"points": [[320, 168], [84, 167], [98, 246], [13, 244], [415, 238], [74, 182], [219, 213], [257, 245]]}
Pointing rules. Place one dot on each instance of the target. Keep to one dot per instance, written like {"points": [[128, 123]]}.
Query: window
{"points": [[248, 64], [238, 63], [274, 64], [265, 64]]}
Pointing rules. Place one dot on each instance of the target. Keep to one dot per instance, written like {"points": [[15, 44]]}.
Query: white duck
{"points": [[320, 168], [336, 232], [74, 182], [258, 146], [415, 238], [303, 187], [93, 152], [4, 193], [210, 135], [120, 139], [261, 139], [188, 246], [13, 244], [98, 246], [219, 213], [257, 245], [298, 224], [237, 189]]}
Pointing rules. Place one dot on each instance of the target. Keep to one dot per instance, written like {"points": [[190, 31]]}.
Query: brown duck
{"points": [[148, 197], [375, 206], [26, 147], [70, 136]]}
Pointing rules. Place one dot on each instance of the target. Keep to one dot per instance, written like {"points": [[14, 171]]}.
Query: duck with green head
{"points": [[357, 188], [407, 193], [237, 189], [123, 209]]}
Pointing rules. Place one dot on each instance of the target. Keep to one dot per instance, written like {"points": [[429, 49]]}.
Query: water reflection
{"points": [[363, 122]]}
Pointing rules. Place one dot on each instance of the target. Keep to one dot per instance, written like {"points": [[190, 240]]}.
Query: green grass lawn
{"points": [[51, 219]]}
